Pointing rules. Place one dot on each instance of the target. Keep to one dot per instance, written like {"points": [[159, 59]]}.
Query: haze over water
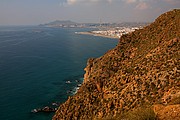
{"points": [[36, 62]]}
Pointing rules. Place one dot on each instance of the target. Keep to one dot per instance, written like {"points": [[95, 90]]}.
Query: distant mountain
{"points": [[68, 23], [59, 23]]}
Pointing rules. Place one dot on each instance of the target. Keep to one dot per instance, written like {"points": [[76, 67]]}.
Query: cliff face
{"points": [[142, 70]]}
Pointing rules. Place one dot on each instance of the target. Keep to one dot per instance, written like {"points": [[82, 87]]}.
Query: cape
{"points": [[137, 80]]}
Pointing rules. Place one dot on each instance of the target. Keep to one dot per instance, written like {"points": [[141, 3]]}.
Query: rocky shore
{"points": [[137, 80]]}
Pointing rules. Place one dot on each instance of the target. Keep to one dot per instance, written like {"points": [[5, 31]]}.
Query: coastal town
{"points": [[112, 33], [110, 30]]}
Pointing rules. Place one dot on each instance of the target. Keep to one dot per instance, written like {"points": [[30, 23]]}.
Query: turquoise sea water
{"points": [[36, 62]]}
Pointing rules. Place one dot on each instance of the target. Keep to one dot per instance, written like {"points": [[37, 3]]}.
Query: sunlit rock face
{"points": [[142, 70]]}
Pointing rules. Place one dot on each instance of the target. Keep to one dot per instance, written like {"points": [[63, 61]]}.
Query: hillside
{"points": [[141, 76]]}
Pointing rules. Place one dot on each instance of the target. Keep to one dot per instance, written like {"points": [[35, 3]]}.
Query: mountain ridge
{"points": [[142, 70], [59, 23]]}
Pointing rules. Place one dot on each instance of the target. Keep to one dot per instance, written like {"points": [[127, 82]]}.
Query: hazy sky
{"points": [[34, 12]]}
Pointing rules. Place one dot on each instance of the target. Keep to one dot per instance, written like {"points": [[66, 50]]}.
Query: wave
{"points": [[19, 42], [38, 57], [11, 43]]}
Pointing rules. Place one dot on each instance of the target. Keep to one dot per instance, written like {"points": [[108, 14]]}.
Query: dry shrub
{"points": [[140, 114]]}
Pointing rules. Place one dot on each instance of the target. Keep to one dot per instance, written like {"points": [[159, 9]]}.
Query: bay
{"points": [[36, 63]]}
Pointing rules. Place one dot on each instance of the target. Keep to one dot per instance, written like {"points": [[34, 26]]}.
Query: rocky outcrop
{"points": [[143, 69]]}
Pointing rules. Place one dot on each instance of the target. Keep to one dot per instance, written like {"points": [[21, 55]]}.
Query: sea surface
{"points": [[39, 66]]}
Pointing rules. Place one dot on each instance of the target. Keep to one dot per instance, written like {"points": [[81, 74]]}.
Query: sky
{"points": [[34, 12]]}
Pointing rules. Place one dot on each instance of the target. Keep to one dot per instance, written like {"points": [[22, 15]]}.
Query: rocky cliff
{"points": [[142, 73]]}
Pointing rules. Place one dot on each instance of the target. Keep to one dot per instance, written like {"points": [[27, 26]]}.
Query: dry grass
{"points": [[175, 101], [138, 114]]}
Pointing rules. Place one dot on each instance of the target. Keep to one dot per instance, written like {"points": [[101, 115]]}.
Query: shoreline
{"points": [[95, 34]]}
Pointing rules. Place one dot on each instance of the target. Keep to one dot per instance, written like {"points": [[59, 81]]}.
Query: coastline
{"points": [[96, 34], [116, 78]]}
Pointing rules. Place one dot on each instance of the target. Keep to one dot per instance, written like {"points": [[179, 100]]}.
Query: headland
{"points": [[137, 80]]}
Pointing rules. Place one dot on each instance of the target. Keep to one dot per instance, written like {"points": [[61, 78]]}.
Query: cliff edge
{"points": [[138, 79]]}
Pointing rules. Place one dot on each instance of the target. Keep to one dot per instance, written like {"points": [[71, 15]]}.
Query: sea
{"points": [[40, 66]]}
